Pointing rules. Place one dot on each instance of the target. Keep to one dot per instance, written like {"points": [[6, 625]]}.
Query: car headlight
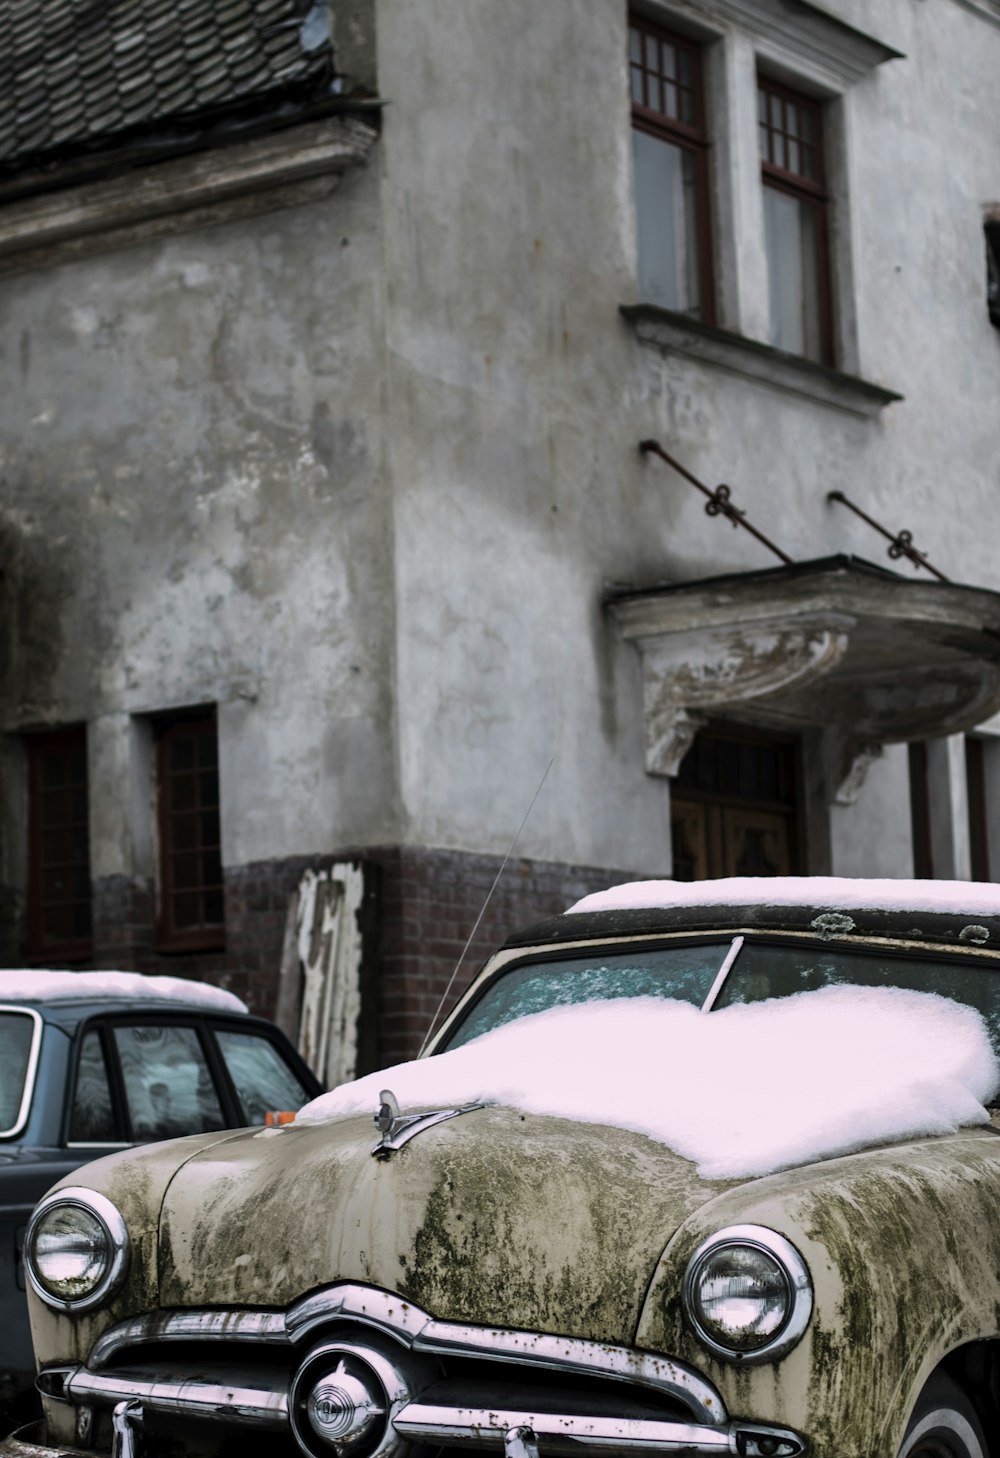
{"points": [[748, 1294], [76, 1250]]}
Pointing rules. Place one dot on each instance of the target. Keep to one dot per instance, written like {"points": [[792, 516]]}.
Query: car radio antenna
{"points": [[482, 909]]}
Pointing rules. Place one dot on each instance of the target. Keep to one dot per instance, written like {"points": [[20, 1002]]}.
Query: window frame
{"points": [[205, 936], [42, 950], [806, 190], [691, 138]]}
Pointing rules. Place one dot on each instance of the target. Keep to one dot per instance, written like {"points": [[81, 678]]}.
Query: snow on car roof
{"points": [[36, 984], [743, 1091], [837, 892]]}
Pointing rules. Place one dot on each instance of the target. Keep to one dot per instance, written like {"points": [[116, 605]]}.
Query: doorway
{"points": [[734, 808]]}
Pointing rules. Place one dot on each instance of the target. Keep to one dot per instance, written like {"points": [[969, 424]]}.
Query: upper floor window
{"points": [[790, 132], [669, 141], [191, 887], [59, 904]]}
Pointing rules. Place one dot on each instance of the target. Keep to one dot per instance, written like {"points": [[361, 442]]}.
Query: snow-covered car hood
{"points": [[495, 1217]]}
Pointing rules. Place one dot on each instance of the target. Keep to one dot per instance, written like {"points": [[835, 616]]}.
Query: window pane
{"points": [[16, 1034], [792, 272], [667, 224], [262, 1077], [168, 1087], [190, 831], [92, 1119], [685, 973]]}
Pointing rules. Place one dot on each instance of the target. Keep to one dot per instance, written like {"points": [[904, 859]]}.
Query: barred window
{"points": [[59, 895], [191, 888]]}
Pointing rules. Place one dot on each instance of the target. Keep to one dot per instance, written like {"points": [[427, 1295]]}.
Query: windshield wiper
{"points": [[722, 974]]}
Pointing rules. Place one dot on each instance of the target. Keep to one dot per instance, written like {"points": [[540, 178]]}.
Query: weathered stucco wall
{"points": [[192, 511], [518, 397], [358, 469]]}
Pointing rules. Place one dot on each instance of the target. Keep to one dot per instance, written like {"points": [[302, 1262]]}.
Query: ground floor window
{"points": [[735, 806], [192, 916], [59, 899]]}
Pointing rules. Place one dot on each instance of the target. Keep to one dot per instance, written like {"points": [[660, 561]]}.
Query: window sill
{"points": [[679, 334]]}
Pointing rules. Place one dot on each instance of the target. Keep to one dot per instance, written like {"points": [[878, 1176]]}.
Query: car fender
{"points": [[903, 1248]]}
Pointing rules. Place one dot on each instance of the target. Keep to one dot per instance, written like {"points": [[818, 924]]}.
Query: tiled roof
{"points": [[83, 75]]}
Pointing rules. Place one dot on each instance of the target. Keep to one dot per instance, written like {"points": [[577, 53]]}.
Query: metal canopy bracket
{"points": [[837, 644]]}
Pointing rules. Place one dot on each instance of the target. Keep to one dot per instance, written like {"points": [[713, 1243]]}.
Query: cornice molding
{"points": [[209, 187]]}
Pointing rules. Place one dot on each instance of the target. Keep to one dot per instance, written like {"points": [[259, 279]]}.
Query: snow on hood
{"points": [[841, 893], [743, 1091], [40, 985]]}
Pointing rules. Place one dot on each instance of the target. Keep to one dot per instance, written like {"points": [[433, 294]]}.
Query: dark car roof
{"points": [[961, 914]]}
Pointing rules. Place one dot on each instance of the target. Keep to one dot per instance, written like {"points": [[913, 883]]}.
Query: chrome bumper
{"points": [[513, 1432], [131, 1375]]}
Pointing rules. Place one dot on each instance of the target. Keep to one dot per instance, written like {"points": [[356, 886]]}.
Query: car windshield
{"points": [[757, 970], [17, 1038], [686, 973]]}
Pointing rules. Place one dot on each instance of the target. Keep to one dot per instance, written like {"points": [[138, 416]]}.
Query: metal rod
{"points": [[720, 501], [901, 542]]}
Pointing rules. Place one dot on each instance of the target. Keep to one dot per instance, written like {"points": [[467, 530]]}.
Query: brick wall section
{"points": [[420, 907], [429, 901]]}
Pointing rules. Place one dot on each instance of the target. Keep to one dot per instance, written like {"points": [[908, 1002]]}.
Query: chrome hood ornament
{"points": [[396, 1128]]}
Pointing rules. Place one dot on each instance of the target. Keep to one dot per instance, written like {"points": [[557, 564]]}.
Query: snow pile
{"points": [[839, 893], [743, 1091], [40, 985]]}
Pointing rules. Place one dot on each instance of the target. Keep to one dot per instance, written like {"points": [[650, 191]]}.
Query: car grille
{"points": [[352, 1369]]}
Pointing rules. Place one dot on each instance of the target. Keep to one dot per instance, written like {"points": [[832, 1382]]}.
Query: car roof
{"points": [[963, 914], [41, 987]]}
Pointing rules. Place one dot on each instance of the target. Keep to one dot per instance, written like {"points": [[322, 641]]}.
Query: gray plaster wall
{"points": [[358, 470], [193, 509], [507, 198]]}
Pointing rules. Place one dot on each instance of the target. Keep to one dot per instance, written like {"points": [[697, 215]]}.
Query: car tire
{"points": [[944, 1424]]}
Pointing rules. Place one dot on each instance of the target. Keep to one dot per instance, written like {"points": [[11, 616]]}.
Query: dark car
{"points": [[96, 1061]]}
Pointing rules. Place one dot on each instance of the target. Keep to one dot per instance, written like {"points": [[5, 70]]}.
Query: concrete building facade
{"points": [[322, 389]]}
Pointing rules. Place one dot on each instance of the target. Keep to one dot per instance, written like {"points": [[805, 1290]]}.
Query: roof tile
{"points": [[75, 72]]}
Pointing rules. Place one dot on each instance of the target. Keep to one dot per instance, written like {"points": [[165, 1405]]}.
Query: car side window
{"points": [[263, 1079], [168, 1085], [92, 1119]]}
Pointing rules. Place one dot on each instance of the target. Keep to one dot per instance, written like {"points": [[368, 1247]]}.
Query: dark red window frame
{"points": [[192, 907], [691, 136], [59, 888], [776, 144]]}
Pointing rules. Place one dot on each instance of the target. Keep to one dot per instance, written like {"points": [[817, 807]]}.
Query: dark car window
{"points": [[92, 1119], [168, 1085], [764, 970], [685, 973], [17, 1036], [263, 1079]]}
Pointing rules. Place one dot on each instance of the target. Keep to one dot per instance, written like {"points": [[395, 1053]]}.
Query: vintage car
{"points": [[93, 1061], [690, 1169]]}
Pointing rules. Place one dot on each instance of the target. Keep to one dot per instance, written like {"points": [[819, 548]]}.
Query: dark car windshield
{"points": [[757, 970], [686, 973], [17, 1039]]}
